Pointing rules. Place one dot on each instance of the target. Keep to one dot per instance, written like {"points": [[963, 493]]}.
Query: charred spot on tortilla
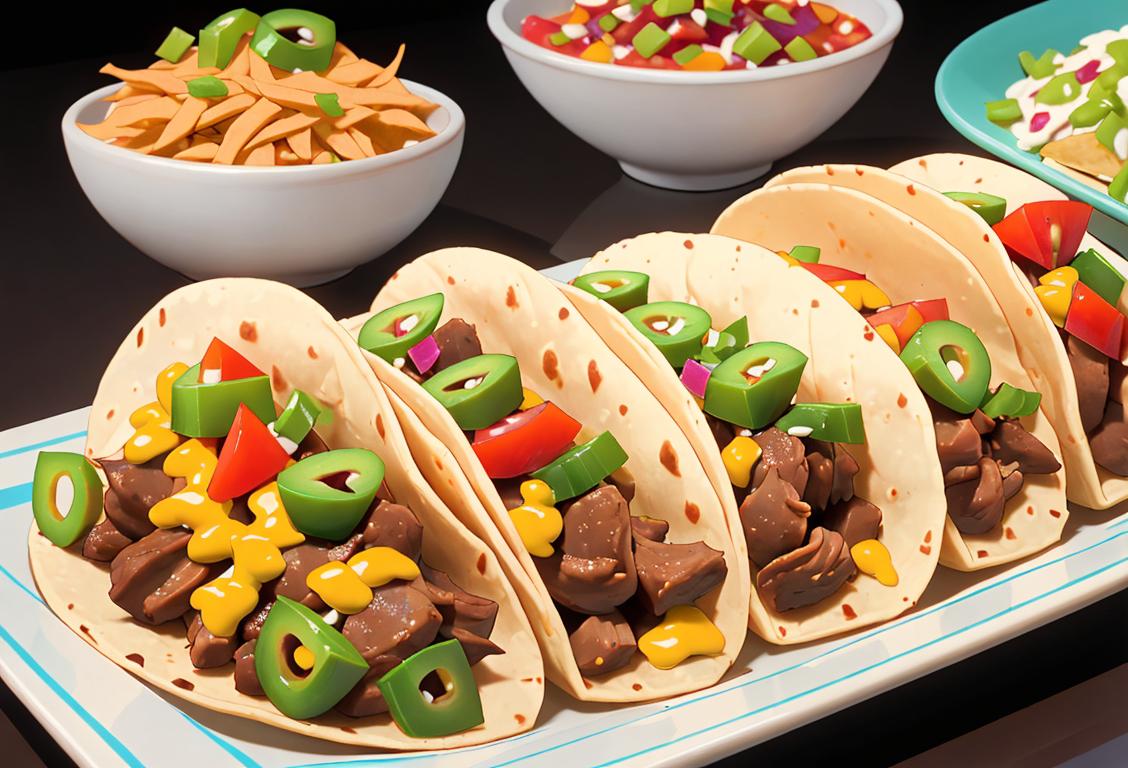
{"points": [[814, 303], [311, 352], [161, 317], [692, 512], [277, 380], [902, 401], [550, 365], [859, 171], [380, 425], [140, 337], [248, 331], [669, 458], [622, 410], [136, 658], [982, 553], [519, 718], [636, 686], [563, 313], [450, 280], [594, 376], [482, 563], [180, 682], [109, 414], [511, 297], [848, 612], [688, 244]]}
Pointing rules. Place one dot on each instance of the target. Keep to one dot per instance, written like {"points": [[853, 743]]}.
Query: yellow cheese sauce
{"points": [[739, 457], [538, 522], [153, 435], [347, 587], [873, 559], [683, 632]]}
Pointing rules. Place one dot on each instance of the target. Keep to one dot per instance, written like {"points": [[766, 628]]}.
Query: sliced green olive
{"points": [[831, 422], [676, 328], [298, 692], [950, 364], [755, 386], [221, 36], [991, 208], [1009, 402], [327, 494], [479, 391], [207, 409], [621, 289], [580, 469], [391, 332], [292, 39], [457, 708], [61, 529]]}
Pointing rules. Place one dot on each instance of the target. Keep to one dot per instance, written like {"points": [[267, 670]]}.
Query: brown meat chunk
{"points": [[153, 579], [208, 650], [459, 608], [649, 528], [806, 575], [854, 519], [510, 491], [983, 423], [594, 570], [399, 621], [104, 542], [784, 452], [396, 526], [958, 442], [1010, 442], [246, 678], [1116, 376], [252, 624], [475, 646], [1109, 441], [723, 431], [133, 490], [977, 505], [622, 480], [1012, 480], [774, 519], [305, 558], [1090, 373], [830, 474], [602, 644], [365, 698], [676, 574], [457, 341]]}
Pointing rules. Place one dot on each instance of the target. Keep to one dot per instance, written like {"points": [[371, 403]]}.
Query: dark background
{"points": [[71, 288]]}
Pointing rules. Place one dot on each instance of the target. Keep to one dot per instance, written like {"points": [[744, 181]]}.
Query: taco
{"points": [[260, 500], [629, 569], [1074, 350], [818, 442], [1000, 457]]}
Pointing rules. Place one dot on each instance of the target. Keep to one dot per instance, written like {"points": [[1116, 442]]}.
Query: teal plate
{"points": [[982, 67]]}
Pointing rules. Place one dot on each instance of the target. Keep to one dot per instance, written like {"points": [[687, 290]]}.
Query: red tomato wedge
{"points": [[624, 33], [904, 319], [230, 364], [524, 441], [831, 274], [933, 309], [688, 31], [1095, 321], [251, 456], [1047, 233]]}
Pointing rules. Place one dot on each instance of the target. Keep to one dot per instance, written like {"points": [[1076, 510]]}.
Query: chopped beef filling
{"points": [[152, 579], [457, 341], [603, 643], [1100, 392]]}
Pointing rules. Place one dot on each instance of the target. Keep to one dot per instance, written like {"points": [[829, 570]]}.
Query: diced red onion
{"points": [[1039, 120], [695, 377], [1088, 73], [424, 354]]}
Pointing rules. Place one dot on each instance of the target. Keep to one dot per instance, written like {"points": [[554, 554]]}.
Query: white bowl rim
{"points": [[513, 40], [441, 139]]}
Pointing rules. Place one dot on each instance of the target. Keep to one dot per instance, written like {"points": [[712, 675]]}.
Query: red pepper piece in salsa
{"points": [[251, 456], [1047, 233], [222, 363], [1095, 321]]}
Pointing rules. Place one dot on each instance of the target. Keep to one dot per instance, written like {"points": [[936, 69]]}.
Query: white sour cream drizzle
{"points": [[1058, 126]]}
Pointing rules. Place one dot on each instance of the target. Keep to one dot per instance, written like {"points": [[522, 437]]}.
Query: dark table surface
{"points": [[71, 287]]}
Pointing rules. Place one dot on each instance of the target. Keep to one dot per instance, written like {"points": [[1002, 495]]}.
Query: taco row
{"points": [[390, 530]]}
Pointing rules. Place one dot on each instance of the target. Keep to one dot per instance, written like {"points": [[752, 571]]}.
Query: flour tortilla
{"points": [[517, 311], [286, 333], [1040, 346], [731, 279], [909, 261]]}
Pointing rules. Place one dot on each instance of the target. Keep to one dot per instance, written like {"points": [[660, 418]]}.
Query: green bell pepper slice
{"points": [[667, 8], [777, 12], [329, 104], [649, 40], [1004, 111], [579, 469], [991, 208], [1009, 402], [1092, 111], [950, 364], [298, 693], [61, 529], [221, 36], [208, 409], [327, 494], [1097, 272], [729, 341], [806, 254], [1109, 128], [391, 332], [755, 43], [1061, 89], [678, 329], [1118, 187], [479, 391], [620, 288], [175, 45], [423, 717], [831, 422], [798, 49], [317, 35], [207, 87], [688, 54], [755, 386], [298, 417], [1043, 66]]}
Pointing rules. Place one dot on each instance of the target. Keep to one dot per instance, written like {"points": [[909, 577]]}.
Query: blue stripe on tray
{"points": [[15, 495], [43, 444], [240, 756]]}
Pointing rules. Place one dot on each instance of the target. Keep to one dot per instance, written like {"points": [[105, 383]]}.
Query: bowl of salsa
{"points": [[696, 94]]}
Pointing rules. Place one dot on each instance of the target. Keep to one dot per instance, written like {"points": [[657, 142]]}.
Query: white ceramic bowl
{"points": [[303, 225], [695, 130]]}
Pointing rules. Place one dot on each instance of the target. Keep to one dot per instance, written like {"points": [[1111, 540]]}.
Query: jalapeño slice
{"points": [[478, 391], [621, 289], [676, 328], [1009, 402], [221, 36], [755, 386], [328, 493], [297, 691], [292, 39], [580, 469], [950, 364], [393, 331], [61, 529], [832, 422], [991, 208], [458, 707]]}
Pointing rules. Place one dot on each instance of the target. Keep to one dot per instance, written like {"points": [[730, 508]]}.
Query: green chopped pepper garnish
{"points": [[207, 409], [1061, 89], [777, 12], [808, 254], [1043, 66], [1009, 402], [423, 716], [580, 469], [207, 87], [678, 329], [755, 43], [329, 104], [620, 288], [832, 422], [298, 417], [667, 8], [327, 494], [755, 386], [316, 33], [650, 39], [990, 207], [1111, 77], [391, 332], [1109, 128], [638, 5], [1118, 50], [609, 21], [175, 45], [949, 363], [479, 391], [297, 692], [719, 12], [1004, 111], [61, 529], [559, 38], [220, 38], [729, 341], [800, 50], [1118, 188], [1097, 272], [688, 54], [1091, 112]]}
